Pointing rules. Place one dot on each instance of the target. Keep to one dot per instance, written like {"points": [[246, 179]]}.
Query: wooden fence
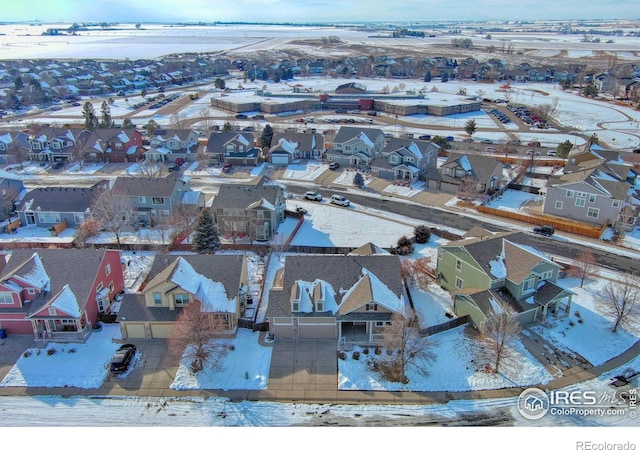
{"points": [[445, 326], [558, 223]]}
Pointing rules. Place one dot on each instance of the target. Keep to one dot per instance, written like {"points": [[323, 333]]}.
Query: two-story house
{"points": [[40, 295], [152, 199], [218, 282], [168, 145], [350, 298], [492, 274], [356, 146], [472, 174], [11, 141], [113, 145], [254, 211], [50, 207], [405, 160], [288, 147], [235, 148], [56, 144]]}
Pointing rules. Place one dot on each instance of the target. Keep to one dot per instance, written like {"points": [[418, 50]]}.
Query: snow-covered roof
{"points": [[211, 294], [67, 302], [364, 138]]}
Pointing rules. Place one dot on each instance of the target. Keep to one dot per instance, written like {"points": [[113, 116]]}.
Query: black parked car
{"points": [[121, 360], [546, 230]]}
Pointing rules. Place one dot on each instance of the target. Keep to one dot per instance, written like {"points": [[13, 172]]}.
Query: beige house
{"points": [[218, 282]]}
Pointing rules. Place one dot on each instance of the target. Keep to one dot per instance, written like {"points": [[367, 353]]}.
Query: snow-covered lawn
{"points": [[592, 338], [459, 364], [309, 171], [83, 365], [245, 367], [512, 200]]}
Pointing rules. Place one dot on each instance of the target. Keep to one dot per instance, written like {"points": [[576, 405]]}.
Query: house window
{"points": [[295, 306], [31, 291], [158, 201], [78, 218], [6, 298], [142, 200], [458, 265], [571, 194], [111, 287], [52, 311], [181, 299], [580, 202], [592, 198], [559, 204], [393, 159], [157, 298], [529, 283], [459, 283], [320, 306], [107, 269], [99, 288], [380, 324], [439, 254], [164, 212], [447, 171], [459, 173], [371, 306], [48, 217], [615, 204], [593, 213]]}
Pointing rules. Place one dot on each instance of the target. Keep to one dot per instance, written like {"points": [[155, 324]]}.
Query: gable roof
{"points": [[347, 133], [243, 196], [217, 141], [368, 289], [146, 186], [62, 199]]}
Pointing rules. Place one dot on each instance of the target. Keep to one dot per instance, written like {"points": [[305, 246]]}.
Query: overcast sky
{"points": [[312, 10]]}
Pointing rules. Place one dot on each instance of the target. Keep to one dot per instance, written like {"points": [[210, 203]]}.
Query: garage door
{"points": [[317, 331], [280, 159], [160, 331], [135, 330]]}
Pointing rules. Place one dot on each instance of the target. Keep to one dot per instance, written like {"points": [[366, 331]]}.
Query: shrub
{"points": [[232, 347], [389, 351], [356, 356], [404, 246], [365, 350], [421, 234], [378, 351], [51, 351], [571, 323], [342, 355], [72, 350], [26, 354]]}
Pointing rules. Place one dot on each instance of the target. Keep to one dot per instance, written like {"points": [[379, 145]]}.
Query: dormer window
{"points": [[372, 306], [52, 311]]}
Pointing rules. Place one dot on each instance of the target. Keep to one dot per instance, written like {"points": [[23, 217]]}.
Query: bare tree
{"points": [[417, 271], [584, 266], [19, 153], [114, 213], [199, 336], [184, 216], [178, 121], [8, 202], [621, 300], [499, 331], [205, 119], [469, 188], [150, 169], [409, 348]]}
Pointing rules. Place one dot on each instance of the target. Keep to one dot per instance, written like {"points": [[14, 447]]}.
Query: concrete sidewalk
{"points": [[300, 371]]}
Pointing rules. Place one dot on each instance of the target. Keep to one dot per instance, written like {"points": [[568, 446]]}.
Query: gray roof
{"points": [[242, 196], [76, 267], [134, 309], [481, 166], [147, 187], [347, 133], [217, 141], [62, 199], [225, 269], [305, 141], [342, 272]]}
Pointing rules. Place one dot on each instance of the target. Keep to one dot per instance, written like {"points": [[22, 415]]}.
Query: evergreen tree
{"points": [[152, 126], [445, 77], [127, 124], [205, 236], [427, 76], [227, 127], [470, 127], [219, 83], [564, 148], [106, 121], [421, 234], [90, 118], [358, 180], [267, 136]]}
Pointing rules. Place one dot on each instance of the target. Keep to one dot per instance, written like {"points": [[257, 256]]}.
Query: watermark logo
{"points": [[533, 403]]}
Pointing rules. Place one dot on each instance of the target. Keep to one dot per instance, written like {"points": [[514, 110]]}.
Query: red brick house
{"points": [[113, 145], [57, 294]]}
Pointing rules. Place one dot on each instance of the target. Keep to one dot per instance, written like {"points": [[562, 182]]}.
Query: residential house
{"points": [[152, 199], [491, 274], [236, 148], [58, 294], [168, 145], [58, 208], [350, 298], [596, 195], [57, 144], [288, 147], [113, 145], [466, 175], [405, 160], [218, 282], [8, 143], [254, 211], [356, 146]]}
